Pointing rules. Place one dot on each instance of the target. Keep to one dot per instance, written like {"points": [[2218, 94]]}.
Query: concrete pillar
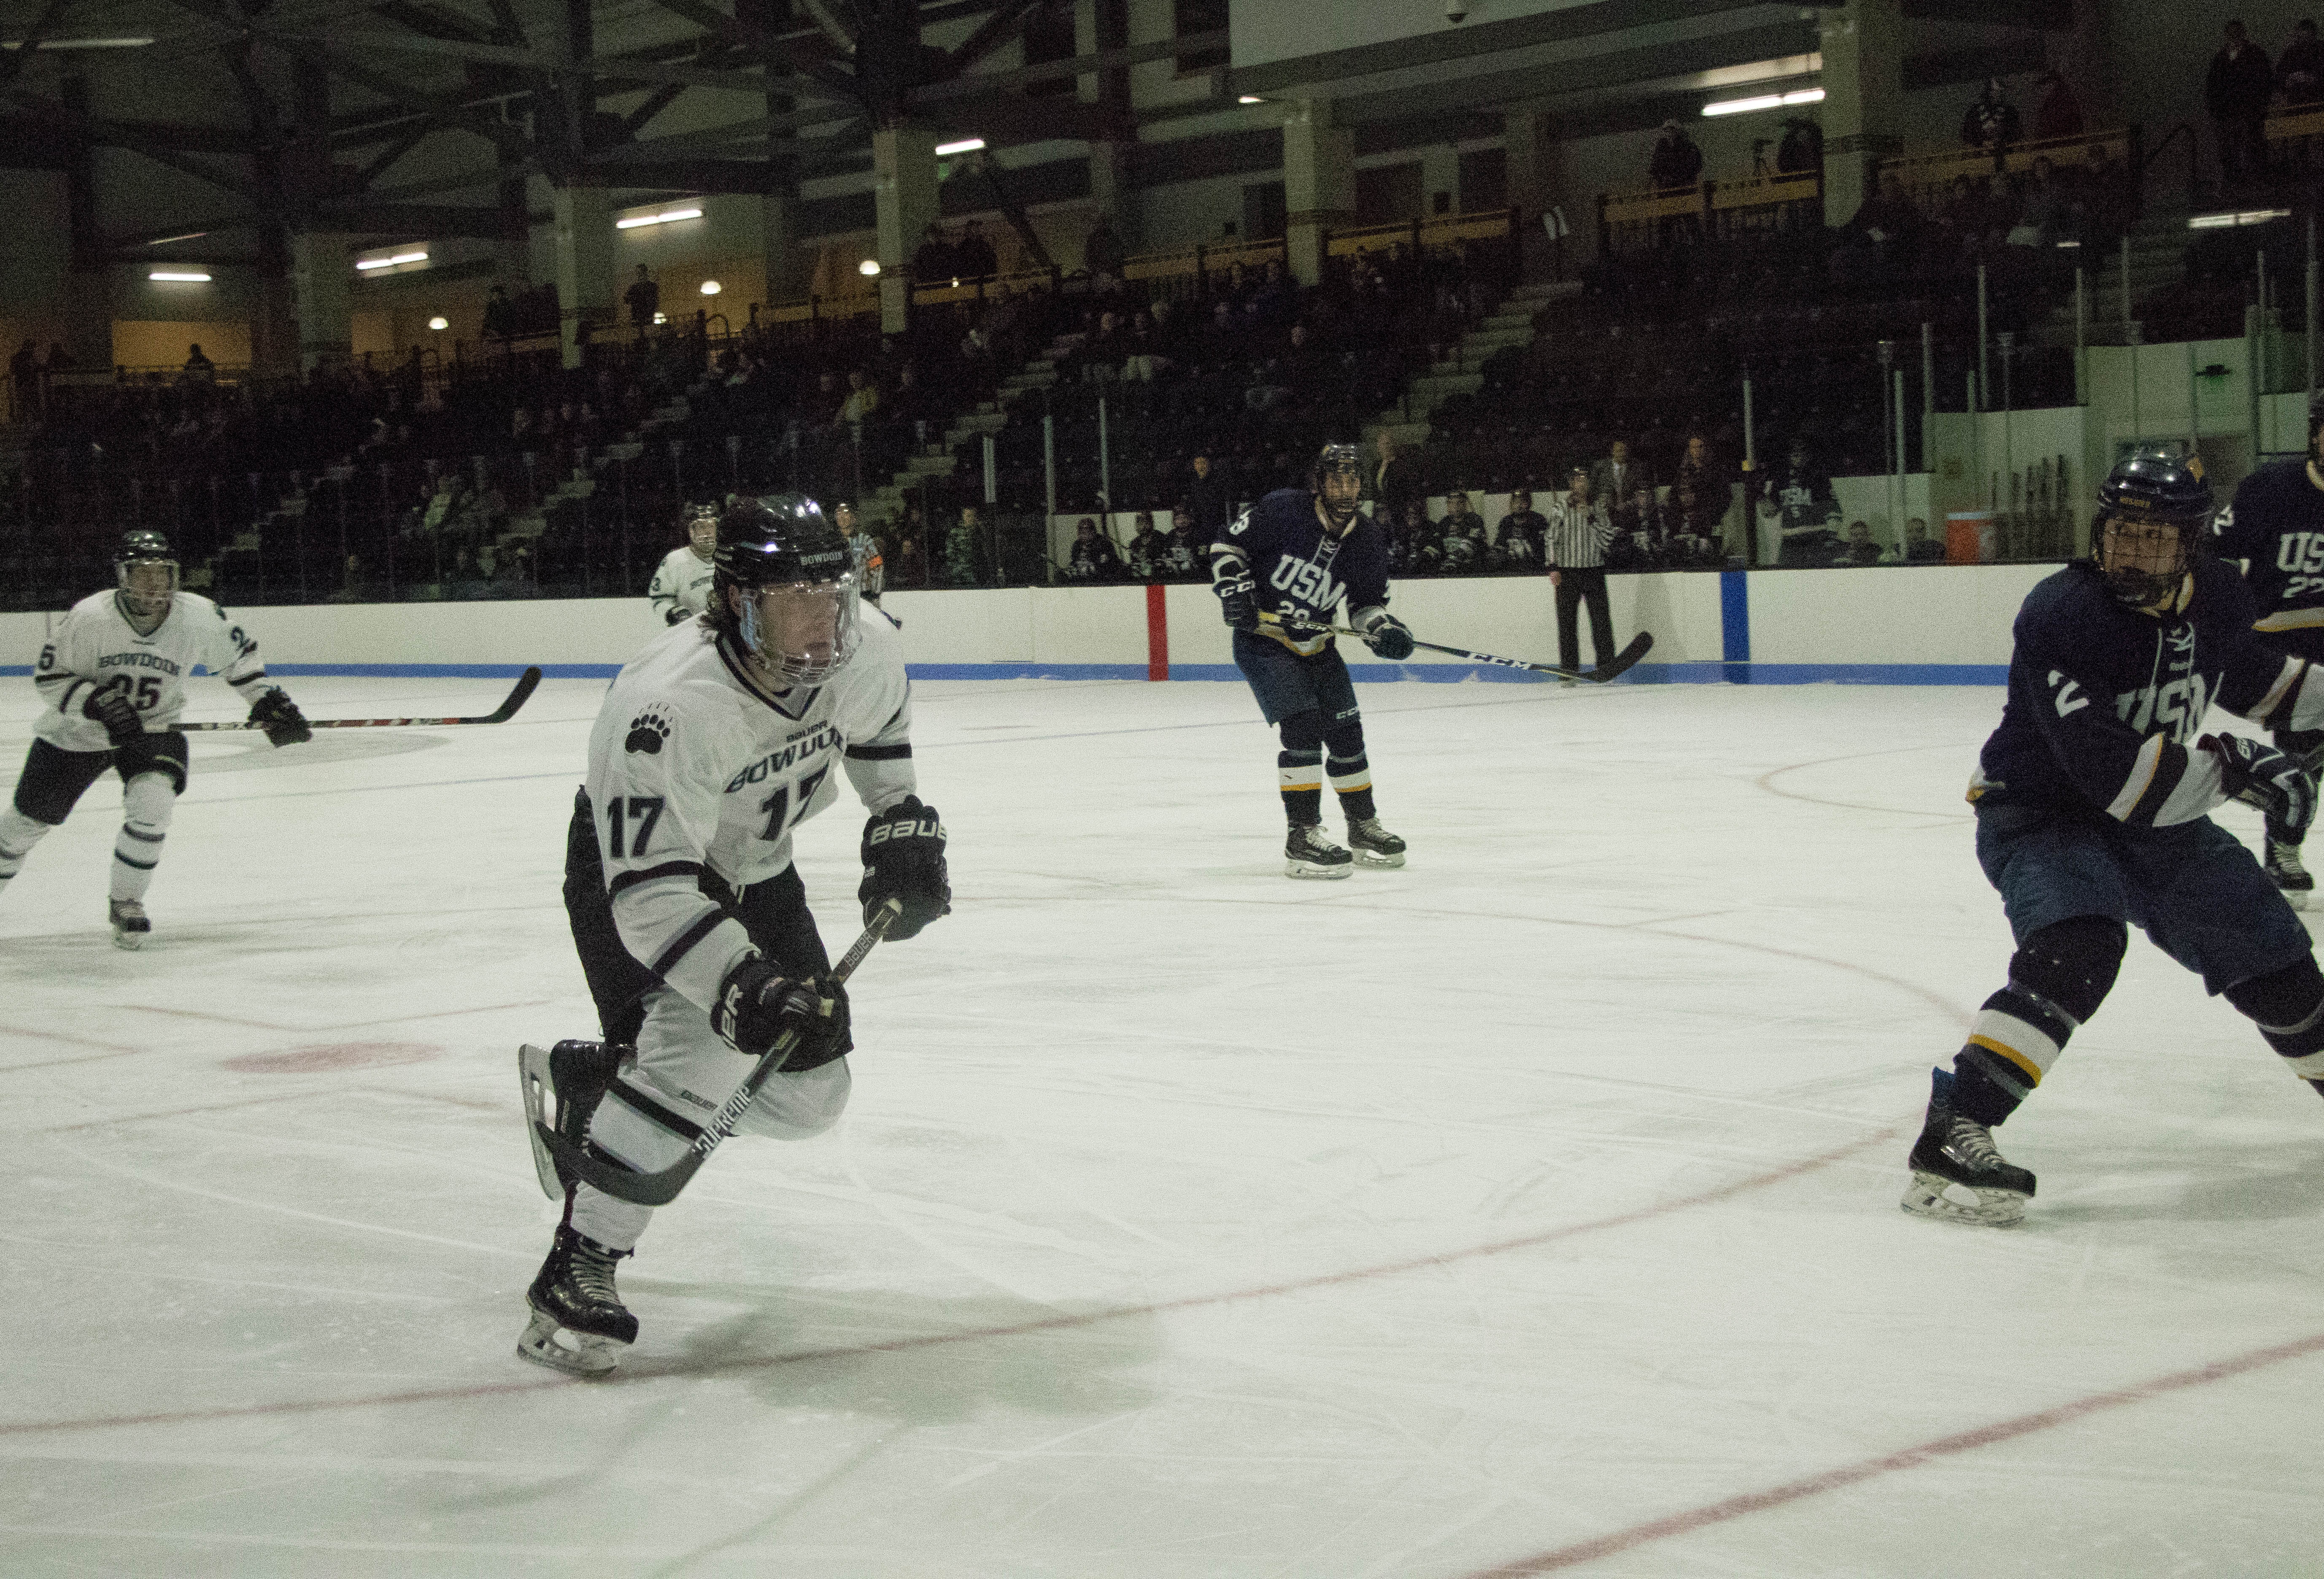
{"points": [[1863, 85], [904, 189], [1319, 183], [1527, 134], [320, 273], [273, 320], [787, 275], [512, 228], [89, 286], [584, 266], [1440, 171], [1108, 167]]}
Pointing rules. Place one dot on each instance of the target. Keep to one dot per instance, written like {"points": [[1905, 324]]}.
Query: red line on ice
{"points": [[1833, 1480]]}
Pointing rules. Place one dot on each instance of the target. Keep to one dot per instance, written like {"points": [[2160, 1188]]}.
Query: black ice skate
{"points": [[561, 1089], [1373, 845], [1957, 1152], [578, 1321], [130, 926], [2284, 870], [1308, 854]]}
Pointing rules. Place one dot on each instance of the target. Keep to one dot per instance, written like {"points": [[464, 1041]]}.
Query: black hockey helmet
{"points": [[1338, 460], [2153, 508], [146, 572], [797, 586], [699, 521]]}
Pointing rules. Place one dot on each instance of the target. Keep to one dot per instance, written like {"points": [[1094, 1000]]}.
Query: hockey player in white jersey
{"points": [[112, 684], [692, 926], [680, 589]]}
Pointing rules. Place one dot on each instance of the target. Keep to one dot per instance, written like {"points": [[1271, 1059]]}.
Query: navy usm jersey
{"points": [[2106, 702], [2277, 524], [1300, 575]]}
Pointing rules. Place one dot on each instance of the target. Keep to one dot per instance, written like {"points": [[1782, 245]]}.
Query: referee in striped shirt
{"points": [[1579, 531]]}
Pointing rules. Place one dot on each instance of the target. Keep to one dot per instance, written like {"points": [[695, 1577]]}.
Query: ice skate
{"points": [[561, 1088], [1957, 1153], [578, 1321], [1308, 854], [2284, 870], [1373, 845], [130, 926]]}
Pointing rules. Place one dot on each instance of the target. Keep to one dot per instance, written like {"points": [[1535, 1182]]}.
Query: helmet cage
{"points": [[701, 525], [802, 631], [1337, 460], [2144, 558], [147, 575]]}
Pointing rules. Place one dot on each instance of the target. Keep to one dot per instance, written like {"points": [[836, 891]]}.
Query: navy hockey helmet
{"points": [[1333, 463], [794, 608], [146, 572], [2153, 507]]}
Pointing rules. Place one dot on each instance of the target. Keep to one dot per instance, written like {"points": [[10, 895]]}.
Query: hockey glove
{"points": [[758, 1004], [2262, 776], [111, 707], [677, 616], [904, 859], [1387, 636], [1237, 601], [278, 715]]}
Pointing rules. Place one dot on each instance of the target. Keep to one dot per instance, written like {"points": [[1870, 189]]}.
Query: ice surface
{"points": [[1187, 1221]]}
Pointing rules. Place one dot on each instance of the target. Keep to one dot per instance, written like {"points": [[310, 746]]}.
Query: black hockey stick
{"points": [[659, 1189], [1621, 662], [516, 698]]}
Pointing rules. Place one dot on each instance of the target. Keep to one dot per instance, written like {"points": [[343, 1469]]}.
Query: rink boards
{"points": [[1918, 625]]}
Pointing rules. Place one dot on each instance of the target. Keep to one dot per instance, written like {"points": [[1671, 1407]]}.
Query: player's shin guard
{"points": [[146, 805], [1301, 776], [2288, 1007], [1352, 779], [2057, 979], [18, 834]]}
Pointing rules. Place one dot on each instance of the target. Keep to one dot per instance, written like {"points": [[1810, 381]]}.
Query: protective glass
{"points": [[148, 585], [803, 632], [2143, 561]]}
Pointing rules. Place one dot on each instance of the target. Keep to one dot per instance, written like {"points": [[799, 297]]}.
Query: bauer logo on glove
{"points": [[904, 860]]}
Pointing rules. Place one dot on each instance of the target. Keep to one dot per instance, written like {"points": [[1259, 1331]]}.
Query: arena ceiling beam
{"points": [[41, 26], [798, 54]]}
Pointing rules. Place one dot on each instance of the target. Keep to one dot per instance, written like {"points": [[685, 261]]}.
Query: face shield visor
{"points": [[2143, 560], [148, 585], [801, 632], [702, 534]]}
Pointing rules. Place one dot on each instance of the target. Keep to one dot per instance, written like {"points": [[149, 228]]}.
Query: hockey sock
{"points": [[1349, 771], [1299, 766], [2057, 979], [2288, 1007], [146, 805], [18, 834]]}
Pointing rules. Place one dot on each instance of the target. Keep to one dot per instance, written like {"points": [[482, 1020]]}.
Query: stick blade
{"points": [[1640, 646], [640, 1189], [527, 683]]}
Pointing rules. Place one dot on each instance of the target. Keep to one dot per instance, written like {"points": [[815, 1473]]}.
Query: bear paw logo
{"points": [[647, 731]]}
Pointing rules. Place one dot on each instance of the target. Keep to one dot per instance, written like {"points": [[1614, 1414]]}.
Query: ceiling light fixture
{"points": [[439, 323], [965, 146], [868, 267], [367, 263], [166, 240], [1766, 101], [2247, 216], [181, 276], [664, 217], [711, 287], [119, 43]]}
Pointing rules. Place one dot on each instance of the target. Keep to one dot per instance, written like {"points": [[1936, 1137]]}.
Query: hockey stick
{"points": [[501, 715], [1620, 663], [658, 1189]]}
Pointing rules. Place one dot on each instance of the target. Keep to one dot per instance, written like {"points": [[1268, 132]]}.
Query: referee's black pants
{"points": [[1573, 587]]}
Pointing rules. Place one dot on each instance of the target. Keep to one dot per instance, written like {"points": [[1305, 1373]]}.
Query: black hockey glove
{"points": [[111, 707], [904, 859], [278, 715], [1389, 637], [677, 616], [2262, 776], [1237, 601], [757, 1004]]}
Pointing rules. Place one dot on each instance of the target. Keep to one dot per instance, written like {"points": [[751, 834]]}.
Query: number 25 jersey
{"points": [[95, 648], [694, 769]]}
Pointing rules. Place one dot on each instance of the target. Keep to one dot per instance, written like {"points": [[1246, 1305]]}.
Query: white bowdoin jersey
{"points": [[681, 581], [97, 648], [692, 768]]}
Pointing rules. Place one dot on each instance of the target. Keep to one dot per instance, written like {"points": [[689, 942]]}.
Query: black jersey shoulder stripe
{"points": [[687, 939], [667, 869], [879, 754]]}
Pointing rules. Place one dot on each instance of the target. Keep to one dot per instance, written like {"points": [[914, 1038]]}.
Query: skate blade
{"points": [[539, 1104], [561, 1348], [1365, 858], [132, 941], [1925, 1196], [2297, 898], [1309, 869]]}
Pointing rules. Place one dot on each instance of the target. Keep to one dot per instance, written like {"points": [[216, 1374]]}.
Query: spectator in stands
{"points": [[862, 399], [1524, 531], [2235, 93], [1149, 550], [976, 257], [1414, 547], [934, 262], [1639, 540], [1615, 478], [1991, 120], [1101, 249], [2045, 209], [1860, 549], [1697, 541], [1188, 555], [1712, 485], [2104, 198], [1802, 148], [1920, 549], [911, 562], [1461, 536], [25, 373], [1394, 482], [964, 549], [1881, 236], [199, 368], [1675, 162], [2060, 112], [1206, 500], [1579, 531], [1094, 558], [643, 299], [1801, 498], [2299, 70], [500, 315]]}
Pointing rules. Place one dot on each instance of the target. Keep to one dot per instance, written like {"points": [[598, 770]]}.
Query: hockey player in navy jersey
{"points": [[2276, 527], [1281, 571], [2091, 800]]}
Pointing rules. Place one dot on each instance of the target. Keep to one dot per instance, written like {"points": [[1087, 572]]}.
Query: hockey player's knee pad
{"points": [[1303, 733], [2057, 979], [148, 801], [1345, 737], [2288, 1007], [2072, 963], [19, 833]]}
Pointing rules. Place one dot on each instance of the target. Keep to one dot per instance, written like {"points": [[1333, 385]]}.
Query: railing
{"points": [[1924, 175], [1712, 208]]}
